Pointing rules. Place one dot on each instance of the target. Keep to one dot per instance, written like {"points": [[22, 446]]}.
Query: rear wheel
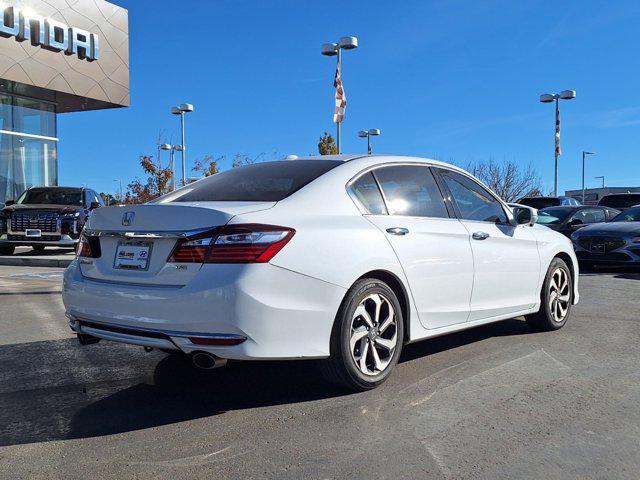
{"points": [[7, 249], [38, 248], [556, 298], [367, 337]]}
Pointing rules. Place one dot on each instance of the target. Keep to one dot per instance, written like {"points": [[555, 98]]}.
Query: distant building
{"points": [[593, 195]]}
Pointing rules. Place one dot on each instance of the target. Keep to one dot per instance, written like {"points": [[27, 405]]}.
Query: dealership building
{"points": [[56, 56]]}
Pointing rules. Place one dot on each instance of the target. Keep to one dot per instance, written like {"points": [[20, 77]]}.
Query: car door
{"points": [[506, 258], [405, 203]]}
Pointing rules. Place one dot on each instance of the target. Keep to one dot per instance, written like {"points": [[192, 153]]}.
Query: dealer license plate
{"points": [[133, 255]]}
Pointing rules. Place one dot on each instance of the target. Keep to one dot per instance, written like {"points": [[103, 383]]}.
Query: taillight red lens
{"points": [[88, 247], [243, 243]]}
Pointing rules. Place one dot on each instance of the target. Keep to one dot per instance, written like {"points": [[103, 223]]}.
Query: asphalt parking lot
{"points": [[495, 402]]}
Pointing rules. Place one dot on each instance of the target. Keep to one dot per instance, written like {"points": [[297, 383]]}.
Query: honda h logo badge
{"points": [[127, 218]]}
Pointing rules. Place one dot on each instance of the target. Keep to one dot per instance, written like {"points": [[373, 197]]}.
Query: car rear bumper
{"points": [[278, 313]]}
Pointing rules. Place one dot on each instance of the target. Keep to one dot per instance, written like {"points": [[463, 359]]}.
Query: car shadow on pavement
{"points": [[80, 392]]}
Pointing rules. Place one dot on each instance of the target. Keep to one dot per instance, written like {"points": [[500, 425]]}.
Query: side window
{"points": [[473, 201], [589, 215], [368, 194], [97, 198], [411, 190]]}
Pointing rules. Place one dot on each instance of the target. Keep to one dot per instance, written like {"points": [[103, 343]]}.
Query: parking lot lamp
{"points": [[172, 164], [368, 134], [584, 154], [181, 110], [602, 177], [121, 196], [556, 97], [335, 49]]}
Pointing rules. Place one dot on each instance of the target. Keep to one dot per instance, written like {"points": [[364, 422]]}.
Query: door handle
{"points": [[480, 236], [397, 230]]}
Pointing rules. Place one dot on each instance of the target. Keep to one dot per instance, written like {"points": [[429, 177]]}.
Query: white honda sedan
{"points": [[343, 258]]}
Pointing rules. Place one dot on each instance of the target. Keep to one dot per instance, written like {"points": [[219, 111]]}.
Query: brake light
{"points": [[88, 247], [243, 243]]}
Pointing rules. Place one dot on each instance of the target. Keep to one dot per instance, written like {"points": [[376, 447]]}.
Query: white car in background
{"points": [[343, 258]]}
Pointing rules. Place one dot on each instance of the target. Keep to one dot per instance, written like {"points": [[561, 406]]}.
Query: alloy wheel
{"points": [[374, 334], [559, 294]]}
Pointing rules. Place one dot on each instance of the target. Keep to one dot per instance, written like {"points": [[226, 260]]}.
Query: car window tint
{"points": [[368, 194], [473, 201], [261, 182], [411, 190], [589, 215]]}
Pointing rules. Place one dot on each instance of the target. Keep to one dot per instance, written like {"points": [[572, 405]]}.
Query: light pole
{"points": [[584, 154], [181, 110], [602, 177], [335, 49], [367, 134], [121, 196], [556, 97]]}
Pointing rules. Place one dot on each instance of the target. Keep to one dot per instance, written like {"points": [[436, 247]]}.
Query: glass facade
{"points": [[28, 145]]}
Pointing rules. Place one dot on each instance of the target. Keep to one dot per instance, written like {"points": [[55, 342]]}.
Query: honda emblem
{"points": [[127, 218]]}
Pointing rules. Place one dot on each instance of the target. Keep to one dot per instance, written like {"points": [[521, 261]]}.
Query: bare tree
{"points": [[508, 179]]}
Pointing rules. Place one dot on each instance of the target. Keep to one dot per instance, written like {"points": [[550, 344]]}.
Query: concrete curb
{"points": [[35, 262]]}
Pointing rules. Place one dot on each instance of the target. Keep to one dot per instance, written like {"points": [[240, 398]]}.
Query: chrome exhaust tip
{"points": [[207, 361]]}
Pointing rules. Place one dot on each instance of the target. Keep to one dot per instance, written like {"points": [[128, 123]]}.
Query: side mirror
{"points": [[9, 202], [575, 223], [524, 215], [94, 205]]}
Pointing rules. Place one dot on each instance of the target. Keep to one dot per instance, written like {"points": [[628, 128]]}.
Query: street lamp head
{"points": [[329, 49], [186, 107], [589, 153], [374, 131], [363, 134], [165, 146], [567, 94], [176, 110], [178, 148], [348, 43], [547, 98]]}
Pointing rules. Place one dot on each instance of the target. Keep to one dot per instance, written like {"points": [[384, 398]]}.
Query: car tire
{"points": [[556, 298], [7, 249], [38, 248], [370, 323]]}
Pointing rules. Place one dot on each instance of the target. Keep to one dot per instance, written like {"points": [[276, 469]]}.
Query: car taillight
{"points": [[88, 247], [243, 243]]}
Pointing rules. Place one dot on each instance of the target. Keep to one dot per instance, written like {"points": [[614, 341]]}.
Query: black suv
{"points": [[46, 216]]}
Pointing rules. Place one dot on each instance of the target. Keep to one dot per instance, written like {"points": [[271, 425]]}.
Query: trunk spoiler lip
{"points": [[148, 234]]}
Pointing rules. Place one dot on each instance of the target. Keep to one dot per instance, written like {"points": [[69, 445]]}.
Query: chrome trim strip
{"points": [[169, 333], [146, 234]]}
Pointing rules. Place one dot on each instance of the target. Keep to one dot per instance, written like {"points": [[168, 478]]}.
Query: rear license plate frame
{"points": [[134, 267], [33, 233]]}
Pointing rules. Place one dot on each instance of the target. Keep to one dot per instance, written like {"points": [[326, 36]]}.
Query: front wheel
{"points": [[556, 298], [367, 337]]}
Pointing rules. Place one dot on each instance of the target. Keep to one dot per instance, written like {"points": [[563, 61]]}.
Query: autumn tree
{"points": [[326, 145], [143, 191], [510, 180], [208, 165]]}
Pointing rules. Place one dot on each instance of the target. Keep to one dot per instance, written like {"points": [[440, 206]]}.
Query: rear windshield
{"points": [[261, 182], [540, 202], [51, 196], [620, 201]]}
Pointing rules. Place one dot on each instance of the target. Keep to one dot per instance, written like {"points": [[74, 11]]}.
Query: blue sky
{"points": [[454, 80]]}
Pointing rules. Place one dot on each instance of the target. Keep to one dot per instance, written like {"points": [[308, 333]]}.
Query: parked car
{"points": [[343, 258], [621, 201], [567, 220], [615, 242], [544, 202], [46, 216]]}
